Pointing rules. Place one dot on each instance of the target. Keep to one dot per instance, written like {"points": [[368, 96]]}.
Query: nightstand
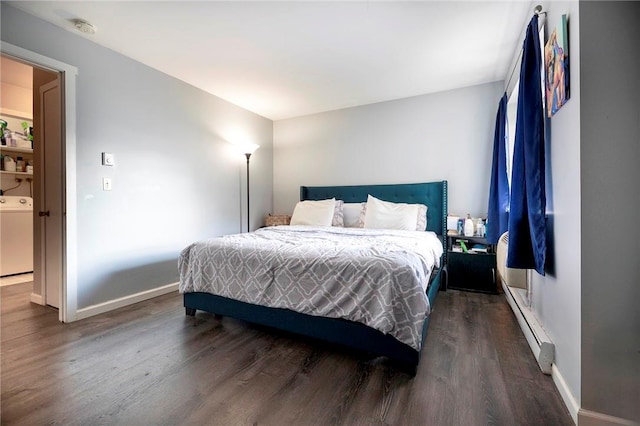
{"points": [[474, 270]]}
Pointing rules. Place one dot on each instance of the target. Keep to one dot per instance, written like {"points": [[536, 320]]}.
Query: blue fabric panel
{"points": [[527, 224], [498, 216], [431, 194]]}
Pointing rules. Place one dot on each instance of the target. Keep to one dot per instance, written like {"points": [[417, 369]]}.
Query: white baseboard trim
{"points": [[569, 400], [541, 345], [591, 418], [37, 299], [110, 305]]}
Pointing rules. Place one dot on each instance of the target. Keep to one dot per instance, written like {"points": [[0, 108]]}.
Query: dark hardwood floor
{"points": [[150, 364]]}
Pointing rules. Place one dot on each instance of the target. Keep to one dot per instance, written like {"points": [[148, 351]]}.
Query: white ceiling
{"points": [[286, 59]]}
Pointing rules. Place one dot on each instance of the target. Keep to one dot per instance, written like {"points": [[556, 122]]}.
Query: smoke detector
{"points": [[84, 26]]}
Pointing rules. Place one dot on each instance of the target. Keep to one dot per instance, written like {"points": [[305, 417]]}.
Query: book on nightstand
{"points": [[479, 248]]}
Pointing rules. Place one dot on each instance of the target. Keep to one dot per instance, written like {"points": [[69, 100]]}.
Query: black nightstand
{"points": [[471, 271]]}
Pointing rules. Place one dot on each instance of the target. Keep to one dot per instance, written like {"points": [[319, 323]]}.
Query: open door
{"points": [[50, 206], [55, 235]]}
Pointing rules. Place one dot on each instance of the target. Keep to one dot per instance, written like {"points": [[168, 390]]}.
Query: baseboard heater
{"points": [[514, 284]]}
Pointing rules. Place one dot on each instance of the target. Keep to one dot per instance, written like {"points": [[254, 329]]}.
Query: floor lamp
{"points": [[248, 150]]}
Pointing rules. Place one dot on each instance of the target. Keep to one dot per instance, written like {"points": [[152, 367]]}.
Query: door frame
{"points": [[69, 288]]}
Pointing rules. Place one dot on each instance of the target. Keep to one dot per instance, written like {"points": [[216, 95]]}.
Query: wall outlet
{"points": [[106, 184], [108, 159]]}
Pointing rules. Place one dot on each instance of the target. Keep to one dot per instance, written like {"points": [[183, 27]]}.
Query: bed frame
{"points": [[350, 334]]}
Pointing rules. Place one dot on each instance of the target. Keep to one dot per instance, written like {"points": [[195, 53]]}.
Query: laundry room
{"points": [[16, 168], [19, 167]]}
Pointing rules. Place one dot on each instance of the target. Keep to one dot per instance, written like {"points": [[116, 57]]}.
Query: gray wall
{"points": [[176, 178], [447, 135], [610, 154], [556, 296]]}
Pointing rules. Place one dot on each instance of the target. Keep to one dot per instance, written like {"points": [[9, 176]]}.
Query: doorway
{"points": [[31, 106], [66, 174]]}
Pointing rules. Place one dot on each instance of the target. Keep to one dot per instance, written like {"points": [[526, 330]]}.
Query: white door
{"points": [[51, 205]]}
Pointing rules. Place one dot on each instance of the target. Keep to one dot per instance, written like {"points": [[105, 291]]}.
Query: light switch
{"points": [[106, 184], [108, 159]]}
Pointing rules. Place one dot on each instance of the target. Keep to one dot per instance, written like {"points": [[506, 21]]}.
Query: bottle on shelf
{"points": [[20, 164], [9, 164], [481, 228], [468, 226]]}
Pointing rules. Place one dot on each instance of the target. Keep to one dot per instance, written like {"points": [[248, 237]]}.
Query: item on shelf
{"points": [[480, 228], [28, 130], [9, 164], [480, 248], [468, 226], [3, 126], [20, 141], [20, 164], [460, 226], [452, 223]]}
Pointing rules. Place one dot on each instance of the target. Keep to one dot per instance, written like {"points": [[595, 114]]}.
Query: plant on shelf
{"points": [[28, 130]]}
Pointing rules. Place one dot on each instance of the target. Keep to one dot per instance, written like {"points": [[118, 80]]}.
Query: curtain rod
{"points": [[542, 15]]}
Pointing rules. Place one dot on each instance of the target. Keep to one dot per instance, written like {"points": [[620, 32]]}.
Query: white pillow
{"points": [[314, 213], [386, 215], [338, 214], [351, 214]]}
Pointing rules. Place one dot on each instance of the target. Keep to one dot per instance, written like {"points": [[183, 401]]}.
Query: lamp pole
{"points": [[248, 154]]}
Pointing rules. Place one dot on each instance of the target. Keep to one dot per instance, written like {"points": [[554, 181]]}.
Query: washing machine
{"points": [[16, 235]]}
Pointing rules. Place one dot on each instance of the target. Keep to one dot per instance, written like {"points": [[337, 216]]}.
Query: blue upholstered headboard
{"points": [[432, 194]]}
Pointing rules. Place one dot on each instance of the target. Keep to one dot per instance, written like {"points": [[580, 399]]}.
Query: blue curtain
{"points": [[498, 216], [527, 225]]}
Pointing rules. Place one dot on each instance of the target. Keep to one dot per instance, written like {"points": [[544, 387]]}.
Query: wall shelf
{"points": [[5, 148], [15, 173]]}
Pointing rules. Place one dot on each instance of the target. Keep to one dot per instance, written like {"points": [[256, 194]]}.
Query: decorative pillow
{"points": [[353, 214], [338, 214], [314, 213], [363, 212], [386, 215], [422, 218]]}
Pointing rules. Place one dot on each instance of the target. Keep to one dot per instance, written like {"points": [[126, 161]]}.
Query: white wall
{"points": [[447, 135], [176, 178], [556, 296], [610, 154]]}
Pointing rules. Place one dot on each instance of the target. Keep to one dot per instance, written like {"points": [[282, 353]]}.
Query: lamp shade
{"points": [[248, 148], [251, 148]]}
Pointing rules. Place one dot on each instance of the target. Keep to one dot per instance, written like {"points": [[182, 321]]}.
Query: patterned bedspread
{"points": [[375, 277]]}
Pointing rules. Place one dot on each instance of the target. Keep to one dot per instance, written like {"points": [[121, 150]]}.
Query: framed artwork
{"points": [[556, 62]]}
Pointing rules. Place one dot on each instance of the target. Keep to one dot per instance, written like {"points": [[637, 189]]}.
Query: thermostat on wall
{"points": [[107, 159]]}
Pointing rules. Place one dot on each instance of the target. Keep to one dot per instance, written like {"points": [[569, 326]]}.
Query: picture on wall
{"points": [[556, 61]]}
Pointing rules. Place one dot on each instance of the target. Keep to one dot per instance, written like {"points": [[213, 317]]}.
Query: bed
{"points": [[403, 348]]}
